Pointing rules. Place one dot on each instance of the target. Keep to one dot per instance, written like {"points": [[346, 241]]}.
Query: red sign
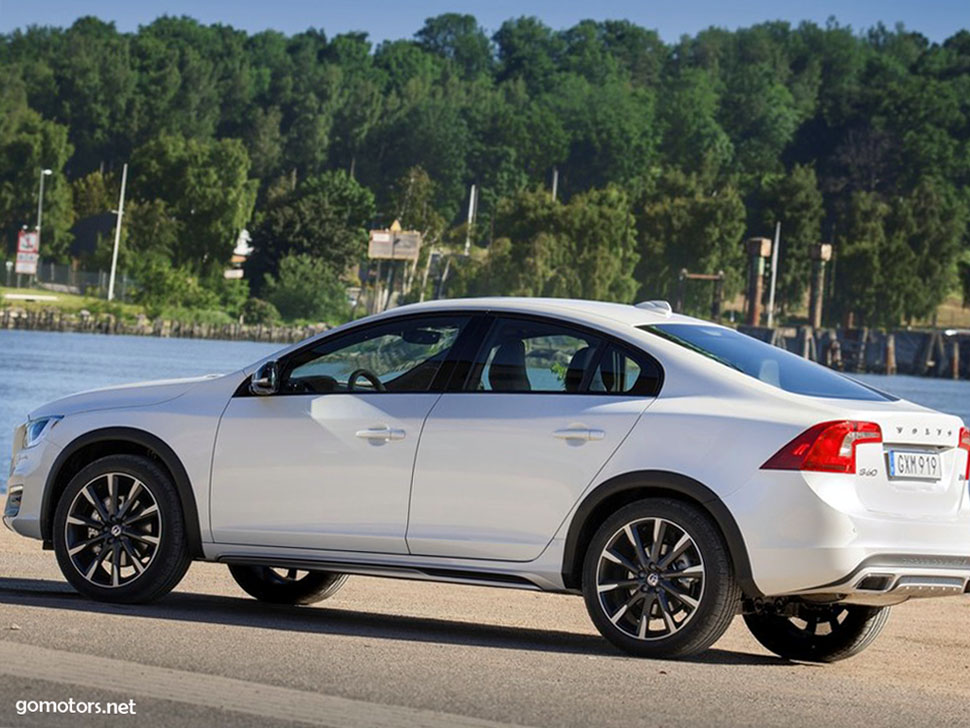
{"points": [[28, 252]]}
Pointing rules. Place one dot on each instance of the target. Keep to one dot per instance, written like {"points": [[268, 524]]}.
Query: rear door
{"points": [[501, 462]]}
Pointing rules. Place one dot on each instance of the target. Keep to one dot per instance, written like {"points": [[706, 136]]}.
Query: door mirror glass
{"points": [[265, 380]]}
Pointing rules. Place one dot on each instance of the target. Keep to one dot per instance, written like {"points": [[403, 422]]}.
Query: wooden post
{"points": [[821, 253], [955, 357], [758, 250], [890, 353], [718, 295]]}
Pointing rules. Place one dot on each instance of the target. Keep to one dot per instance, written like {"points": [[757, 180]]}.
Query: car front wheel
{"points": [[658, 580], [286, 586], [818, 633], [118, 531]]}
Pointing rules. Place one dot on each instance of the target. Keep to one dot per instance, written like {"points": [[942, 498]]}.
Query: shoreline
{"points": [[55, 321], [934, 353]]}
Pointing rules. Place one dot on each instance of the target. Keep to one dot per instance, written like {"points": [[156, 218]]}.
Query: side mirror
{"points": [[265, 380]]}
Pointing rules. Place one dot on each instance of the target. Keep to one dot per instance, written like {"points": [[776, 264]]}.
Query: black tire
{"points": [[268, 585], [710, 594], [848, 630], [150, 512]]}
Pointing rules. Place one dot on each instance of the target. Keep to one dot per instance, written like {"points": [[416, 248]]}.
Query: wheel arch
{"points": [[96, 444], [620, 490]]}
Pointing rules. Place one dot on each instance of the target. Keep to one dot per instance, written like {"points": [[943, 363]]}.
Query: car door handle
{"points": [[577, 433], [381, 433]]}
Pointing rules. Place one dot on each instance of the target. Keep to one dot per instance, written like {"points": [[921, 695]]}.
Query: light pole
{"points": [[114, 253], [40, 200]]}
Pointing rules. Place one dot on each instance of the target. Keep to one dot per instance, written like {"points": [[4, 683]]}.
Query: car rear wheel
{"points": [[818, 633], [118, 531], [658, 580], [286, 586]]}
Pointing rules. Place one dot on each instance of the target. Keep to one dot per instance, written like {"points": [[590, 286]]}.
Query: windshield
{"points": [[768, 363]]}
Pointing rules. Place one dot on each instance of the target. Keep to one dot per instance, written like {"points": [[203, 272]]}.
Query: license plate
{"points": [[919, 465]]}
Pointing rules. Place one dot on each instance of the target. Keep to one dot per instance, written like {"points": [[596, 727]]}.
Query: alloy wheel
{"points": [[650, 578], [113, 529]]}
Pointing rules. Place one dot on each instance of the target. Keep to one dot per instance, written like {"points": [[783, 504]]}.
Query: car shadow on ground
{"points": [[322, 619]]}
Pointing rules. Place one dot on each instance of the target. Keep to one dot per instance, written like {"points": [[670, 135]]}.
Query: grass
{"points": [[952, 315], [66, 302]]}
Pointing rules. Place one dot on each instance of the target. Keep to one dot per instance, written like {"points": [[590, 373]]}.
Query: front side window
{"points": [[532, 356], [393, 357], [768, 363]]}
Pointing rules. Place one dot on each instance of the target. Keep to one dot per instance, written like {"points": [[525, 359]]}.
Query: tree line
{"points": [[667, 156]]}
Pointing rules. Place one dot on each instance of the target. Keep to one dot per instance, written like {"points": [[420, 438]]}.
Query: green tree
{"points": [[205, 186], [684, 223], [460, 39], [326, 218], [307, 288], [794, 200], [28, 144]]}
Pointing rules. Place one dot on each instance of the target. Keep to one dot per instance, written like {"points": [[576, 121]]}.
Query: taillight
{"points": [[827, 447], [965, 446]]}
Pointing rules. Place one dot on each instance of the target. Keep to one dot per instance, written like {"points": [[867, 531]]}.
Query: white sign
{"points": [[28, 252]]}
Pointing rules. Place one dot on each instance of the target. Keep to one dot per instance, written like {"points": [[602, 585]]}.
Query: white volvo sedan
{"points": [[672, 471]]}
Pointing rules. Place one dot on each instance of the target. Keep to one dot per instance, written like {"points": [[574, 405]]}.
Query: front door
{"points": [[501, 463], [326, 462]]}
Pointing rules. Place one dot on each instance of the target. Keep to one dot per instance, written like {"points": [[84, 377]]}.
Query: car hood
{"points": [[140, 394]]}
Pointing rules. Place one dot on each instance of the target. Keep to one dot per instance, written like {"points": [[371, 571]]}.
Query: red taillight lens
{"points": [[827, 447], [964, 445]]}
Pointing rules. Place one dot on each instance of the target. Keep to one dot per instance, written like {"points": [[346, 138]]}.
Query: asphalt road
{"points": [[397, 653]]}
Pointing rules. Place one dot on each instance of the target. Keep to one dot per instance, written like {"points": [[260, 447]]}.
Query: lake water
{"points": [[36, 367]]}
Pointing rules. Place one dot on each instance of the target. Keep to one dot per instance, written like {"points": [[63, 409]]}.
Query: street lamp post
{"points": [[40, 199], [40, 202]]}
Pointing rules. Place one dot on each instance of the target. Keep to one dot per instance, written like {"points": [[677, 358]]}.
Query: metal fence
{"points": [[66, 279]]}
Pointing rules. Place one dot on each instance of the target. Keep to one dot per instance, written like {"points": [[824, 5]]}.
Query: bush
{"points": [[207, 317], [307, 288], [258, 311], [161, 287]]}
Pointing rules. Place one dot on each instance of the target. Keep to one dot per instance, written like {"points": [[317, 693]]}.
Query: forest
{"points": [[667, 156]]}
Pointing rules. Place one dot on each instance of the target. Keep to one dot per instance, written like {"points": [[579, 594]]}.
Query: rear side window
{"points": [[765, 362], [533, 356], [521, 355], [621, 371]]}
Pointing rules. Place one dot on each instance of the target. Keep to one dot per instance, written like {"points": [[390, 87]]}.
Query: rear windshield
{"points": [[768, 363]]}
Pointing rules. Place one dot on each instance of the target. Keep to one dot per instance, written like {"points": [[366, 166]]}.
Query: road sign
{"points": [[28, 252], [394, 245]]}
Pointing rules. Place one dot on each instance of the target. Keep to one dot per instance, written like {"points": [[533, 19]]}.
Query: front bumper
{"points": [[806, 538], [28, 478]]}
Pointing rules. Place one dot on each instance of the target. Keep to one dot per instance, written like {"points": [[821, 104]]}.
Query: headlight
{"points": [[36, 429]]}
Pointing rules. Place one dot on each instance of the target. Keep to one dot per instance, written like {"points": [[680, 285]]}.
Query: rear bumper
{"points": [[817, 538], [893, 578]]}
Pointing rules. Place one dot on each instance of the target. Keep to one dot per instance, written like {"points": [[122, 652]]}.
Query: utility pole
{"points": [[114, 254], [555, 182], [774, 275]]}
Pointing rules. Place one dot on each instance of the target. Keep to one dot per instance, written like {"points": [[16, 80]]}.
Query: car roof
{"points": [[595, 311]]}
